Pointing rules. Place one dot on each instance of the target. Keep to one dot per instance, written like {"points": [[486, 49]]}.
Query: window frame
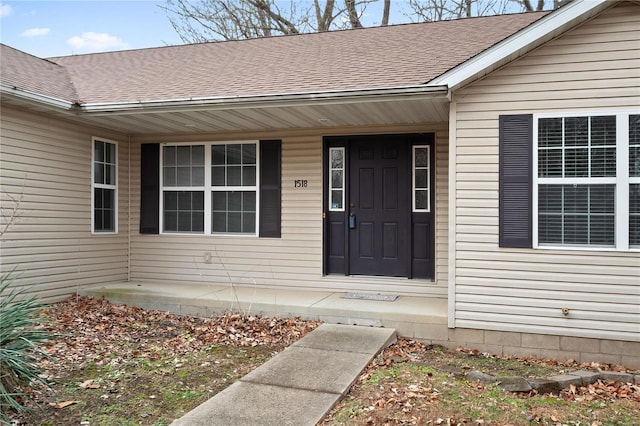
{"points": [[95, 186], [414, 209], [208, 188], [621, 181], [344, 171]]}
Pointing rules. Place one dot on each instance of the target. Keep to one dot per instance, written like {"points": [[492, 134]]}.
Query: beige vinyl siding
{"points": [[45, 168], [295, 259], [595, 67]]}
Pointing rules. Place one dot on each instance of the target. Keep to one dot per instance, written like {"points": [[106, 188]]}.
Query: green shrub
{"points": [[20, 348]]}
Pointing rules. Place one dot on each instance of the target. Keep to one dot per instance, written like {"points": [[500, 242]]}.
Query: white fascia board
{"points": [[274, 100], [520, 42], [50, 101]]}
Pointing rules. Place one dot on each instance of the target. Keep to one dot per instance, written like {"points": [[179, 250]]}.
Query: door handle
{"points": [[352, 221], [352, 216]]}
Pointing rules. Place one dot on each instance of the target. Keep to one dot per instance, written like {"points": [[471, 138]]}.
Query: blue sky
{"points": [[56, 28]]}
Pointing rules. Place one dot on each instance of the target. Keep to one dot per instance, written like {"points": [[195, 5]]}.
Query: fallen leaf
{"points": [[88, 384], [64, 404]]}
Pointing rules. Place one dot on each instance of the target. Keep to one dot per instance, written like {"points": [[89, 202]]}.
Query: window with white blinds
{"points": [[586, 194], [634, 180]]}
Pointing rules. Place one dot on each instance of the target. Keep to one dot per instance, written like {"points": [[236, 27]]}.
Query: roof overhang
{"points": [[405, 105], [346, 108], [522, 42], [33, 98]]}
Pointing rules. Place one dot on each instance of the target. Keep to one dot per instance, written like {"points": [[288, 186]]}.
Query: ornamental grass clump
{"points": [[20, 349]]}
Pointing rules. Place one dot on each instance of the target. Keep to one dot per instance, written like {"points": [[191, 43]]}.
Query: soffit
{"points": [[406, 111]]}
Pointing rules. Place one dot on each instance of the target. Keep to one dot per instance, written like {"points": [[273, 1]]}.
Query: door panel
{"points": [[389, 238], [379, 243]]}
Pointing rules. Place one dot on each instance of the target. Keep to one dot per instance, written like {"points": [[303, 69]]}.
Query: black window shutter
{"points": [[150, 188], [270, 188], [516, 148]]}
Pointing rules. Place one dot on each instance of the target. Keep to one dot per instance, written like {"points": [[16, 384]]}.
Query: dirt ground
{"points": [[119, 365]]}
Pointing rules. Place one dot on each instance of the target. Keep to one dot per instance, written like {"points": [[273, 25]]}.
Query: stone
{"points": [[544, 385], [514, 384], [615, 376], [636, 379], [477, 376], [588, 377], [564, 380]]}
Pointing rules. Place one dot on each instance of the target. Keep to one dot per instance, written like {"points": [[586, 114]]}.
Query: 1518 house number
{"points": [[300, 183]]}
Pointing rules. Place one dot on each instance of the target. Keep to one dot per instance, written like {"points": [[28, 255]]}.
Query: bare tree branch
{"points": [[211, 20], [11, 215], [385, 13], [353, 14]]}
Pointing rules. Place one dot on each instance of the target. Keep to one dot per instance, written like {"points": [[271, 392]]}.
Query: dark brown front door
{"points": [[378, 207]]}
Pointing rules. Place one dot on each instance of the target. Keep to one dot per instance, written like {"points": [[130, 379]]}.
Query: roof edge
{"points": [[523, 40], [273, 100], [39, 98]]}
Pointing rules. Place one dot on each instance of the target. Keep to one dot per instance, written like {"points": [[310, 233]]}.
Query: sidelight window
{"points": [[336, 179], [421, 179]]}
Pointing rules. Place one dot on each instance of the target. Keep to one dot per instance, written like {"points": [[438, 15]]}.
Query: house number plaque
{"points": [[300, 183]]}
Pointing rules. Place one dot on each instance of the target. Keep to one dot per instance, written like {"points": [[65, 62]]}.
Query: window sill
{"points": [[587, 248], [192, 234]]}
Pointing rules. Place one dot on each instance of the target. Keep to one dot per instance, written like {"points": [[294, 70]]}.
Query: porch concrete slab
{"points": [[404, 308], [311, 369], [268, 300], [252, 404], [420, 317], [132, 292], [348, 338], [215, 297]]}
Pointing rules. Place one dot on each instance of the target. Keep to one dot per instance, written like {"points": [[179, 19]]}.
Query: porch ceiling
{"points": [[223, 117]]}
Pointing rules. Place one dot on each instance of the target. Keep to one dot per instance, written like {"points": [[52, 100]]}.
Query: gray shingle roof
{"points": [[379, 57], [35, 75]]}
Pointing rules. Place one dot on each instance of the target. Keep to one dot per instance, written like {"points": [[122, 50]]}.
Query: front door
{"points": [[378, 207], [378, 198]]}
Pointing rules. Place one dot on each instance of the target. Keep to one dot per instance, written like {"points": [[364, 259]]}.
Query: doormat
{"points": [[371, 296]]}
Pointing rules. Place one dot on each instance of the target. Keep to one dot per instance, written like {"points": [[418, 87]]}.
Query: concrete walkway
{"points": [[299, 385]]}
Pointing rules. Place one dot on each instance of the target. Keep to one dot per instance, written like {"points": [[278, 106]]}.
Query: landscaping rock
{"points": [[588, 377], [544, 385], [477, 376], [615, 376], [636, 379], [564, 380], [514, 384]]}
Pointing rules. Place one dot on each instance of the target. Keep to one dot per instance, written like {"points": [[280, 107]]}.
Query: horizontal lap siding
{"points": [[45, 169], [295, 259], [592, 68]]}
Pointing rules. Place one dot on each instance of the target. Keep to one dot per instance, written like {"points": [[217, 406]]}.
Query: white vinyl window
{"points": [[210, 188], [586, 181], [634, 180], [421, 179], [336, 179], [104, 187]]}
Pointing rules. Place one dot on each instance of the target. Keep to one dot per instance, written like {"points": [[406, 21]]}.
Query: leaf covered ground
{"points": [[414, 384], [121, 365]]}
